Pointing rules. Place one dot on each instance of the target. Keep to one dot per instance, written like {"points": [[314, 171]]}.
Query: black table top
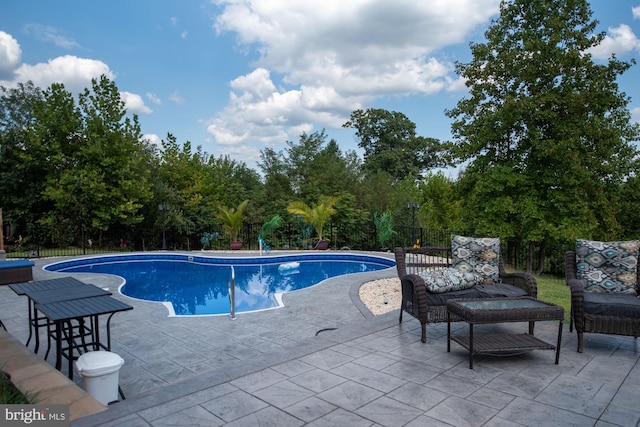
{"points": [[64, 294], [84, 307], [44, 285]]}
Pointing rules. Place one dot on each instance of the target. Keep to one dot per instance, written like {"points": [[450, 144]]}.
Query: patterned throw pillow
{"points": [[479, 255], [448, 279], [609, 267]]}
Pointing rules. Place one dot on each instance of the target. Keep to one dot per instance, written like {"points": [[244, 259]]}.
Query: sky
{"points": [[238, 76]]}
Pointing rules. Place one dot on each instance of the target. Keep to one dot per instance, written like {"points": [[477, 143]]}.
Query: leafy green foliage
{"points": [[9, 394], [270, 226], [384, 227], [546, 131], [232, 219], [22, 167], [441, 202], [390, 144], [317, 214]]}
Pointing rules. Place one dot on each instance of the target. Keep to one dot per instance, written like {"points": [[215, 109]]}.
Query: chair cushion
{"points": [[500, 290], [479, 255], [442, 298], [608, 267], [449, 279], [16, 263], [606, 304]]}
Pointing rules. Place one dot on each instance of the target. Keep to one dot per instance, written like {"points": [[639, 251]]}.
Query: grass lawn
{"points": [[555, 290], [9, 394]]}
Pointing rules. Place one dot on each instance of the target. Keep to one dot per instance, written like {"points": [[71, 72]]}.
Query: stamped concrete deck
{"points": [[289, 366]]}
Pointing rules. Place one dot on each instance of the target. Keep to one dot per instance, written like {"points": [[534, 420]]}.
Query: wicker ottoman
{"points": [[16, 271], [502, 310]]}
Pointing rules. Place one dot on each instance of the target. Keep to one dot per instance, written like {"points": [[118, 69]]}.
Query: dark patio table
{"points": [[43, 285], [61, 294], [62, 313], [502, 310], [52, 290]]}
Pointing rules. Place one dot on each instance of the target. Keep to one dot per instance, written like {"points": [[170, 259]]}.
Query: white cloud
{"points": [[152, 138], [258, 112], [636, 12], [134, 103], [75, 73], [635, 114], [177, 98], [332, 56], [10, 55], [619, 40], [51, 34], [153, 98]]}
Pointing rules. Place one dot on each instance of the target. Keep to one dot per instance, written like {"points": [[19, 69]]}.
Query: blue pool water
{"points": [[198, 285]]}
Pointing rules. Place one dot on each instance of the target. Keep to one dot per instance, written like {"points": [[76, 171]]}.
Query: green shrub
{"points": [[9, 394]]}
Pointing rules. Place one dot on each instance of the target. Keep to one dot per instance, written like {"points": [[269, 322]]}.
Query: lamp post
{"points": [[163, 208], [413, 206]]}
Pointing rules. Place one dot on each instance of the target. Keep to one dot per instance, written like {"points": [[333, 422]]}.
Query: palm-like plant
{"points": [[316, 215], [270, 226], [383, 223], [231, 219]]}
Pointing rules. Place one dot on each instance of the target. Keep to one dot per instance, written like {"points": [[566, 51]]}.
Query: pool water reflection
{"points": [[199, 285]]}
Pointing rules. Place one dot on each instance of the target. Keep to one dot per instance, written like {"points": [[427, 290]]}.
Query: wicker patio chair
{"points": [[600, 313], [432, 308]]}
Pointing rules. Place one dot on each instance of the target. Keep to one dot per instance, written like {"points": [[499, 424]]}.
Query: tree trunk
{"points": [[530, 257], [541, 255]]}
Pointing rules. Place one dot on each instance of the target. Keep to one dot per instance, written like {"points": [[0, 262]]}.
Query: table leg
{"points": [[470, 345], [109, 331], [96, 327], [559, 341], [58, 333], [48, 340], [30, 322], [70, 345], [448, 332]]}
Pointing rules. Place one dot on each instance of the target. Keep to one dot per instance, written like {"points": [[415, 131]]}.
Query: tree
{"points": [[307, 169], [440, 202], [277, 185], [103, 177], [316, 167], [23, 177], [546, 131], [390, 144]]}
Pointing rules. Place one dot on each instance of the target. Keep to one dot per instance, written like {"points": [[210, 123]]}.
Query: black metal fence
{"points": [[30, 241]]}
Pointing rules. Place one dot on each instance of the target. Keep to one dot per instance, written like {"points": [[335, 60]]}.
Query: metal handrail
{"points": [[232, 293]]}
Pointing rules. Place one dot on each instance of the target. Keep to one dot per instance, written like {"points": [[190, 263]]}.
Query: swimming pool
{"points": [[199, 285]]}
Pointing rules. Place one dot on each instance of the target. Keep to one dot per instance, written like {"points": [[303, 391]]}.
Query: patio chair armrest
{"points": [[414, 296], [524, 281], [577, 300]]}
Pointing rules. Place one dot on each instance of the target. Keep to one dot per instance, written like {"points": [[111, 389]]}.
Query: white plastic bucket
{"points": [[100, 374]]}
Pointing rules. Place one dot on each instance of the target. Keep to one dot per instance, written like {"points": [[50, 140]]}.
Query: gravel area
{"points": [[381, 296]]}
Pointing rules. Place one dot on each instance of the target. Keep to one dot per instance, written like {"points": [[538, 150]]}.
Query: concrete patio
{"points": [[324, 360]]}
